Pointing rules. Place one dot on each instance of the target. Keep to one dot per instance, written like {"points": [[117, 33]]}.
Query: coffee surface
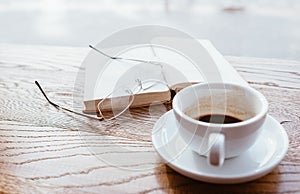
{"points": [[218, 118]]}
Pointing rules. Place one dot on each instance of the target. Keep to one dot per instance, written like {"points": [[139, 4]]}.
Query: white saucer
{"points": [[256, 162]]}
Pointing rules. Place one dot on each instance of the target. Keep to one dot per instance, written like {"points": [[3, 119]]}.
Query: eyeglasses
{"points": [[120, 99]]}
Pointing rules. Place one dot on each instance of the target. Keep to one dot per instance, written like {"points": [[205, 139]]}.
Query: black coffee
{"points": [[217, 118]]}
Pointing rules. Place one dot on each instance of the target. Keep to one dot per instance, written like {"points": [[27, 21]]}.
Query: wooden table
{"points": [[47, 150]]}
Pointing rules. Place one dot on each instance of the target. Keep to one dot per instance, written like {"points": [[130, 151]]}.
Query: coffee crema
{"points": [[218, 119]]}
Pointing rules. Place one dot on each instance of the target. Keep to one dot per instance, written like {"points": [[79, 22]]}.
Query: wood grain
{"points": [[48, 150]]}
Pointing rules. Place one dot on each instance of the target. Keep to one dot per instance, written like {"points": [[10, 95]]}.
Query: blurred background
{"points": [[255, 28]]}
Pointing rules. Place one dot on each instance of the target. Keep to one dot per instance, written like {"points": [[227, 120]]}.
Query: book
{"points": [[103, 80]]}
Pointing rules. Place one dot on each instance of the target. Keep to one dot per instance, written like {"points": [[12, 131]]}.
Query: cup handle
{"points": [[216, 155]]}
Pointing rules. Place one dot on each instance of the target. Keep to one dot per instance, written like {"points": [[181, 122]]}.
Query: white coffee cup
{"points": [[219, 141]]}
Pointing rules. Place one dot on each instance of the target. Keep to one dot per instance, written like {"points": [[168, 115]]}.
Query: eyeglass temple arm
{"points": [[41, 89], [128, 59], [57, 106]]}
